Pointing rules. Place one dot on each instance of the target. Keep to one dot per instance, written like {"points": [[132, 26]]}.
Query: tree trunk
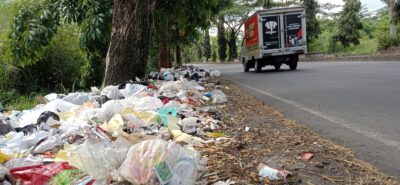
{"points": [[393, 20], [178, 55], [128, 51], [164, 53]]}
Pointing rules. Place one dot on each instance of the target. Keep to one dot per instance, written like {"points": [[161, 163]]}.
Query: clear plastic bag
{"points": [[132, 89], [219, 97], [97, 157], [168, 162], [22, 162]]}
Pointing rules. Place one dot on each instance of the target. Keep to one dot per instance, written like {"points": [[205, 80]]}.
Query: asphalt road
{"points": [[355, 104]]}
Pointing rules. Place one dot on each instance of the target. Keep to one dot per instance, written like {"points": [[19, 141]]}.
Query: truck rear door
{"points": [[271, 32], [293, 30]]}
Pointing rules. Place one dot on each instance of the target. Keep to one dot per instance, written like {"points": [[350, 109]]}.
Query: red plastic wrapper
{"points": [[165, 101], [38, 174]]}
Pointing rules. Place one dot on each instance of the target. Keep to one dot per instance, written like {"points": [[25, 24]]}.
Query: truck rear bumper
{"points": [[267, 53]]}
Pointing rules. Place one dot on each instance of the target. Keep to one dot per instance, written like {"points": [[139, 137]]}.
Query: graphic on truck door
{"points": [[294, 30], [251, 33], [271, 32]]}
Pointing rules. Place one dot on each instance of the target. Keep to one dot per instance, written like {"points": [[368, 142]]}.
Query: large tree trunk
{"points": [[393, 15], [164, 53], [178, 55], [393, 21], [128, 51]]}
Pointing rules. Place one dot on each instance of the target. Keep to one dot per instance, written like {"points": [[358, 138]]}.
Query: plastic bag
{"points": [[168, 89], [5, 128], [97, 157], [165, 111], [27, 141], [132, 89], [189, 125], [38, 174], [51, 97], [162, 160], [115, 125], [271, 173], [49, 144], [215, 73], [4, 157], [23, 162], [58, 105], [112, 92], [47, 120], [148, 104], [77, 98], [219, 97], [108, 110], [168, 75]]}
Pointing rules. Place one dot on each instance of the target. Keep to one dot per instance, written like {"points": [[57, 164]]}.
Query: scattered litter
{"points": [[306, 156], [271, 173]]}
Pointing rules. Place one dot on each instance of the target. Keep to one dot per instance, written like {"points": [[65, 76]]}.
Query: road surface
{"points": [[355, 104]]}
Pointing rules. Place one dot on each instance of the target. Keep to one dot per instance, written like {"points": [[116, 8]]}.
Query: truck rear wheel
{"points": [[258, 66], [293, 62], [277, 66], [246, 67], [293, 65]]}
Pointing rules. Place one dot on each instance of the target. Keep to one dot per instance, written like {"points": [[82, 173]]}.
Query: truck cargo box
{"points": [[274, 37]]}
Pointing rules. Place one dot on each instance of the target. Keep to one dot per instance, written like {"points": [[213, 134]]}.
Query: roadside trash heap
{"points": [[141, 132]]}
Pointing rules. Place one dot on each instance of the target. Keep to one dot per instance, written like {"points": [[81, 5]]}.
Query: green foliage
{"points": [[33, 27], [232, 54], [207, 45], [313, 29], [327, 42], [222, 43], [385, 41], [37, 22], [214, 56], [350, 23], [59, 69]]}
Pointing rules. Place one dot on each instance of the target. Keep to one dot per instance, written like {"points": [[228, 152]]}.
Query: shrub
{"points": [[386, 42]]}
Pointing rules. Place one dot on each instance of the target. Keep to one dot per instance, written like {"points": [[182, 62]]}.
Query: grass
{"points": [[15, 101]]}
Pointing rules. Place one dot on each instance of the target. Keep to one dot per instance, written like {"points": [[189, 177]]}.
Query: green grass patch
{"points": [[14, 101]]}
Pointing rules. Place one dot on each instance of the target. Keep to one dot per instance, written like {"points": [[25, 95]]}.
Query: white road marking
{"points": [[338, 121]]}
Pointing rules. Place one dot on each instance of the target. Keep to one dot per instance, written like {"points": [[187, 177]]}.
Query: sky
{"points": [[370, 4]]}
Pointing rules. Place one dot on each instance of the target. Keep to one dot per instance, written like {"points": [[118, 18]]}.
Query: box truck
{"points": [[274, 37]]}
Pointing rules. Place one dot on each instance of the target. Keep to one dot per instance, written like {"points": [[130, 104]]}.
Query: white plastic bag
{"points": [[215, 73], [112, 92], [77, 98], [148, 104], [108, 110], [189, 125]]}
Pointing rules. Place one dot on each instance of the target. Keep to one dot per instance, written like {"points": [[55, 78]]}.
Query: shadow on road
{"points": [[273, 71]]}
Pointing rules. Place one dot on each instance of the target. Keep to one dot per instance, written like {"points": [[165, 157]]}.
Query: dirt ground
{"points": [[279, 143]]}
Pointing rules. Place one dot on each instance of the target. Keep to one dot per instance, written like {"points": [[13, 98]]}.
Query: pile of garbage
{"points": [[141, 132]]}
